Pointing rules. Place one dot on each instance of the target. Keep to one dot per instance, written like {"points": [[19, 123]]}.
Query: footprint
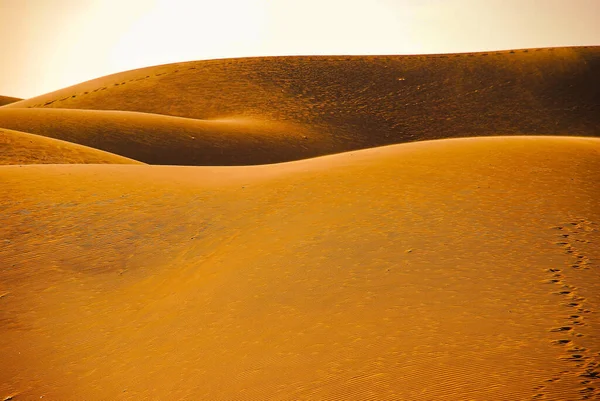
{"points": [[561, 342], [591, 374], [575, 358], [563, 328]]}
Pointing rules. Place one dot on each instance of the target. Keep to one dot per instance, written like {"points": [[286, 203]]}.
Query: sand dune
{"points": [[159, 139], [7, 100], [23, 148], [455, 269], [374, 100]]}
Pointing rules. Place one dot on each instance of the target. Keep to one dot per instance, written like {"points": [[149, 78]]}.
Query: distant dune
{"points": [[454, 269], [7, 100], [159, 139], [352, 102], [23, 148]]}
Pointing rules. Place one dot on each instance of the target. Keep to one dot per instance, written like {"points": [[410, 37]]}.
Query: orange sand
{"points": [[23, 148], [159, 139], [338, 103], [454, 269], [4, 100]]}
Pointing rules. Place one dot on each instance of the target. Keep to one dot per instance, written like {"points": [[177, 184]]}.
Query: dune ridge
{"points": [[355, 102], [449, 269]]}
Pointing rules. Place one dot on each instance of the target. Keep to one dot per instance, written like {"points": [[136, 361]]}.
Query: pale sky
{"points": [[46, 45]]}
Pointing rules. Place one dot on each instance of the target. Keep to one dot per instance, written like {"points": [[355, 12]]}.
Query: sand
{"points": [[237, 265], [23, 148], [167, 140], [340, 103], [451, 269], [4, 100]]}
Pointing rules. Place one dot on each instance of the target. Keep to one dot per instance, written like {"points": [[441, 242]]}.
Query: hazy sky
{"points": [[46, 45]]}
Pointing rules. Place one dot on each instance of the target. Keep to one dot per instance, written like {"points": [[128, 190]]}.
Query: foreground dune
{"points": [[352, 102], [23, 148], [455, 269]]}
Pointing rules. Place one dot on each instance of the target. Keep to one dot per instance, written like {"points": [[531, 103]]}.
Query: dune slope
{"points": [[4, 100], [24, 148], [364, 101], [456, 269], [159, 139]]}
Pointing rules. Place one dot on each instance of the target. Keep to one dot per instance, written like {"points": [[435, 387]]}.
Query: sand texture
{"points": [[246, 268], [23, 148], [347, 103]]}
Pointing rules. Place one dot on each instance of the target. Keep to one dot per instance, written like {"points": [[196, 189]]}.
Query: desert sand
{"points": [[23, 148], [291, 108], [457, 269], [4, 100]]}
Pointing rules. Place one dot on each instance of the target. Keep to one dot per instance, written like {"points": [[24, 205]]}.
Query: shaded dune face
{"points": [[23, 148], [347, 103], [159, 139], [455, 269], [4, 100]]}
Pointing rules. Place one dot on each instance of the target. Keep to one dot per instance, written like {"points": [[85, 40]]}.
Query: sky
{"points": [[46, 45]]}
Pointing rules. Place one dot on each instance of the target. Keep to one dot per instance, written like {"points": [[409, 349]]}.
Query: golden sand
{"points": [[246, 268], [291, 108], [454, 269], [23, 148], [4, 100]]}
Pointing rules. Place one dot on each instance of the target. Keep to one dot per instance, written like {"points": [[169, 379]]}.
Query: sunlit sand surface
{"points": [[452, 269]]}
